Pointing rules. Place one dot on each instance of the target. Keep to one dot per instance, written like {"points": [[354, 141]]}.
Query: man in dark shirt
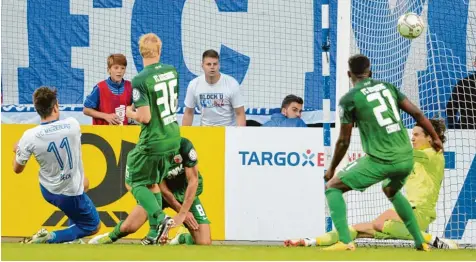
{"points": [[461, 108]]}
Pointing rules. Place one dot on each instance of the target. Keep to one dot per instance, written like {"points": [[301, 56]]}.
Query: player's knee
{"points": [[389, 192], [203, 242], [337, 184], [87, 231], [378, 225]]}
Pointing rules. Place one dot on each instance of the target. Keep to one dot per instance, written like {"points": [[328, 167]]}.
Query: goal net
{"points": [[267, 46], [426, 69]]}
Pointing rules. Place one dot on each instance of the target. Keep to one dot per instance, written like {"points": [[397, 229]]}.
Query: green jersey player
{"points": [[374, 106], [155, 91], [181, 188], [422, 190], [183, 185]]}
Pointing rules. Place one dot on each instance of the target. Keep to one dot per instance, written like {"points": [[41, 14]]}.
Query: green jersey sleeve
{"points": [[346, 110], [139, 93], [189, 155]]}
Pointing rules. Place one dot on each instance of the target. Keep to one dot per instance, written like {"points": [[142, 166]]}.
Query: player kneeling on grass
{"points": [[180, 189], [56, 146], [422, 189]]}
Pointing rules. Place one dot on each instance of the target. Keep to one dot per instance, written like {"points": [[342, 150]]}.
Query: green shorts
{"points": [[393, 229], [197, 210], [364, 172], [144, 168]]}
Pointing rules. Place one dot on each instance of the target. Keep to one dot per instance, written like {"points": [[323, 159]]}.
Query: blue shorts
{"points": [[79, 209]]}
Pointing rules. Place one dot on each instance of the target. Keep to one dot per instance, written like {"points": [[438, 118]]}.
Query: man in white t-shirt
{"points": [[217, 95], [56, 146]]}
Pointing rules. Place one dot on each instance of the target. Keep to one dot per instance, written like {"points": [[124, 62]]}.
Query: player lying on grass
{"points": [[374, 106], [180, 189], [422, 189], [56, 146]]}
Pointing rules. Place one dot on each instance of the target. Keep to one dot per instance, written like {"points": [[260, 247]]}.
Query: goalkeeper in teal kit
{"points": [[374, 106]]}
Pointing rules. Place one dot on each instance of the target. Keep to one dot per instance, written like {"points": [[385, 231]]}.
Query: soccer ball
{"points": [[410, 25]]}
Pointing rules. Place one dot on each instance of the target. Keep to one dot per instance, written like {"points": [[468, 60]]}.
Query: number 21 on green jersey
{"points": [[382, 108]]}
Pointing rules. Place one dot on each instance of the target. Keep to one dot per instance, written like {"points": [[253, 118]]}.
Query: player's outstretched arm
{"points": [[421, 119], [191, 174], [17, 168], [342, 145], [177, 207]]}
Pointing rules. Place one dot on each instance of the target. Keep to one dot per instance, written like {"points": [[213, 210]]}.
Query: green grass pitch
{"points": [[16, 251]]}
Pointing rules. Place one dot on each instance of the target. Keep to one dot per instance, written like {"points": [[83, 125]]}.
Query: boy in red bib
{"points": [[108, 101]]}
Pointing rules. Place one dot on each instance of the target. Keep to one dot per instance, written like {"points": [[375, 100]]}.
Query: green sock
{"points": [[405, 211], [116, 232], [186, 239], [332, 237], [353, 233], [336, 203], [149, 202], [158, 197]]}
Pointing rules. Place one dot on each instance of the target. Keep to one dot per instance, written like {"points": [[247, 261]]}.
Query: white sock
{"points": [[310, 241]]}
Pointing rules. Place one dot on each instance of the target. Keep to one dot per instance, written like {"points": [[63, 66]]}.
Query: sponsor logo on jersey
{"points": [[178, 159], [175, 171]]}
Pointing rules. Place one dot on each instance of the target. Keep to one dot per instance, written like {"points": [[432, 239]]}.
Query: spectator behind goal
{"points": [[217, 95], [108, 101], [461, 108], [290, 116]]}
